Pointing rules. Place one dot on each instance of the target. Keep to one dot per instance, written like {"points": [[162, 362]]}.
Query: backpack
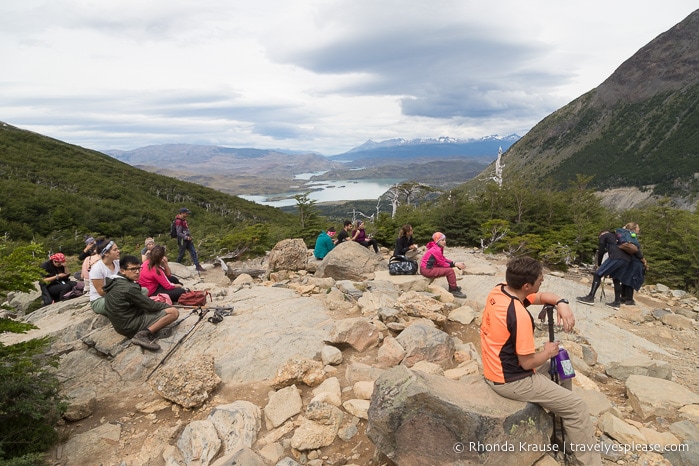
{"points": [[626, 240], [401, 265], [194, 298], [173, 229]]}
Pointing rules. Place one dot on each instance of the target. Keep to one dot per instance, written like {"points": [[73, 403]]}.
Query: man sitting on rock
{"points": [[132, 313], [510, 360]]}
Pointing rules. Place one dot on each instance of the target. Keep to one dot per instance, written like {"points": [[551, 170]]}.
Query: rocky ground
{"points": [[147, 421]]}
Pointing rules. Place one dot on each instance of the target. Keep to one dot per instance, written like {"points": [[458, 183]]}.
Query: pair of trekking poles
{"points": [[219, 313]]}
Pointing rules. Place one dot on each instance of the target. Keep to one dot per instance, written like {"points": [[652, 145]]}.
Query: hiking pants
{"points": [[187, 246], [540, 389], [436, 272]]}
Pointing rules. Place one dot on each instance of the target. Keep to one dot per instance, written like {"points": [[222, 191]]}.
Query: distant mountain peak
{"points": [[373, 145]]}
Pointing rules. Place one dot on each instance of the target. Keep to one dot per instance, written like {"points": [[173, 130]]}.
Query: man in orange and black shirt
{"points": [[510, 360]]}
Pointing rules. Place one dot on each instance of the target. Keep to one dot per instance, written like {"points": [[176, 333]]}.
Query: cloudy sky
{"points": [[316, 75]]}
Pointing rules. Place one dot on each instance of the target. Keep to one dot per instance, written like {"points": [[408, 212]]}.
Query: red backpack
{"points": [[194, 298]]}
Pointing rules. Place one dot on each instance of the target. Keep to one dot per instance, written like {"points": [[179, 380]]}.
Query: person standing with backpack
{"points": [[184, 239], [626, 269]]}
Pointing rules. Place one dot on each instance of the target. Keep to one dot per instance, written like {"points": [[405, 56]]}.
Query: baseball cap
{"points": [[185, 210]]}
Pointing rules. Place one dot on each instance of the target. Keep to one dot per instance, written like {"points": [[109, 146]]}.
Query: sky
{"points": [[307, 75]]}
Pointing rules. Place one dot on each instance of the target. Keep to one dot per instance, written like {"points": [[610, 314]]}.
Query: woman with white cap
{"points": [[435, 265]]}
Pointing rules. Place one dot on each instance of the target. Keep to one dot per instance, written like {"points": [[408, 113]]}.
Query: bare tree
{"points": [[409, 191]]}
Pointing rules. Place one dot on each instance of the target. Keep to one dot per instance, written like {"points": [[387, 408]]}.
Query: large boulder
{"points": [[288, 254], [424, 343], [417, 418], [350, 261]]}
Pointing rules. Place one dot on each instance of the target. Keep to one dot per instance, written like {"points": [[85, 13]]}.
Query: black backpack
{"points": [[173, 229]]}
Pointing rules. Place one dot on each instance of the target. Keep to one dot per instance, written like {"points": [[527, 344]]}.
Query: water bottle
{"points": [[563, 364]]}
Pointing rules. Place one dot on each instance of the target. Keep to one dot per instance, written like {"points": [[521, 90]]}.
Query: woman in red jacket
{"points": [[435, 265], [154, 278]]}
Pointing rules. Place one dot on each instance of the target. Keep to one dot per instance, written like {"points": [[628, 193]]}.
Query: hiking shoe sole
{"points": [[583, 301]]}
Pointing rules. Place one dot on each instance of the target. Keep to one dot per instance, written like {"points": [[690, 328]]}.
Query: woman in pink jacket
{"points": [[154, 278], [435, 265]]}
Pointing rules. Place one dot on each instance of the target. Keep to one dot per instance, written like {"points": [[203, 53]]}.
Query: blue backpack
{"points": [[626, 240], [625, 236]]}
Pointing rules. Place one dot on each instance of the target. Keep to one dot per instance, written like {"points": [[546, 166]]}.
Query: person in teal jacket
{"points": [[324, 243]]}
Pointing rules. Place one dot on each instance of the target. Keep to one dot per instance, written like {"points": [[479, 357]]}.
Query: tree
{"points": [[409, 192], [19, 267], [308, 212]]}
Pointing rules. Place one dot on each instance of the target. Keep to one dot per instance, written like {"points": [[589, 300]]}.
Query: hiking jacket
{"points": [[434, 257], [403, 244], [125, 304], [324, 244], [182, 227], [151, 278]]}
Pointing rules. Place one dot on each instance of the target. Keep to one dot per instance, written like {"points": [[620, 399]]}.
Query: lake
{"points": [[328, 191]]}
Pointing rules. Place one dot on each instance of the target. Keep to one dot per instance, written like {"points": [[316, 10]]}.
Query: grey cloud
{"points": [[445, 72]]}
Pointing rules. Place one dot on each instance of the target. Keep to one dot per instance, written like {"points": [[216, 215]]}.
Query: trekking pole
{"points": [[194, 311], [202, 313], [553, 372]]}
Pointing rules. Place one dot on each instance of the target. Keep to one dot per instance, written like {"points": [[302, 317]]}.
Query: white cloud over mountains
{"points": [[321, 75]]}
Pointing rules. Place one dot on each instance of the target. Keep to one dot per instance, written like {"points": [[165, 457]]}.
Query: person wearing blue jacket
{"points": [[324, 243]]}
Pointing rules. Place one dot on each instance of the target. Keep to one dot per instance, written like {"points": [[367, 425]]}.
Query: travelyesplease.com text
{"points": [[605, 448]]}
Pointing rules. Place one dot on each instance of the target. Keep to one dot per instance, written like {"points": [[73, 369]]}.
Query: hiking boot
{"points": [[590, 300], [199, 268], [629, 303], [614, 304], [457, 293], [143, 340]]}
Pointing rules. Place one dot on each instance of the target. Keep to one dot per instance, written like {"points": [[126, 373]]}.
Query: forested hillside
{"points": [[638, 128], [55, 192]]}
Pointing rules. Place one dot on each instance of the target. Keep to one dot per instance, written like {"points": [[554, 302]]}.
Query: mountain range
{"points": [[272, 171], [639, 128]]}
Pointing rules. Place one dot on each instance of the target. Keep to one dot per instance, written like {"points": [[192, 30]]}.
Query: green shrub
{"points": [[30, 404]]}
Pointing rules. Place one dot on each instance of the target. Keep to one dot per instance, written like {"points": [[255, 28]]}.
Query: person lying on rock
{"points": [[514, 369], [131, 313]]}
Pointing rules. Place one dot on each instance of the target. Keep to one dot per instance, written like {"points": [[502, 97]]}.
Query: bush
{"points": [[30, 404]]}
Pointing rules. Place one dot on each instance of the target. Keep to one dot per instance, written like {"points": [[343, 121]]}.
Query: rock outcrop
{"points": [[354, 366], [416, 418]]}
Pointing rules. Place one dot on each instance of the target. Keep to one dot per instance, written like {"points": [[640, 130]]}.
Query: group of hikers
{"points": [[136, 295], [433, 264], [512, 366], [120, 288]]}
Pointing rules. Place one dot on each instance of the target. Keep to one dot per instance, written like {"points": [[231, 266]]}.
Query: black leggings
{"points": [[370, 242]]}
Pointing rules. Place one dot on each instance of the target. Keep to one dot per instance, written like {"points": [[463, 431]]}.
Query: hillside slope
{"points": [[54, 189], [639, 128]]}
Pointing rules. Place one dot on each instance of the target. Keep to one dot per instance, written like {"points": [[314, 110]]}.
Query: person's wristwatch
{"points": [[563, 300]]}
